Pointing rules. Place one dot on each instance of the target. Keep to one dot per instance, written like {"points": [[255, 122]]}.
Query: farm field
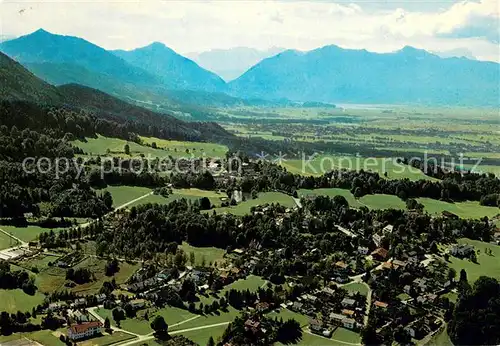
{"points": [[124, 194], [28, 233], [466, 210], [140, 326], [263, 198], [6, 241], [189, 194], [325, 163], [43, 337], [487, 265], [209, 254], [178, 148], [16, 300], [116, 147], [378, 201]]}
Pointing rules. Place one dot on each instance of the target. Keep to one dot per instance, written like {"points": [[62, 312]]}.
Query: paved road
{"points": [[297, 202]]}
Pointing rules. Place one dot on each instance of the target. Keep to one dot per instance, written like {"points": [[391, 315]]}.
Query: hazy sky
{"points": [[193, 26]]}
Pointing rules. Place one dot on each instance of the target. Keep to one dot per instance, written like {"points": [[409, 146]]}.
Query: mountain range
{"points": [[20, 86], [157, 76], [410, 75]]}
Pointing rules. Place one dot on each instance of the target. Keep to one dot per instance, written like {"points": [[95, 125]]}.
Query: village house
{"points": [[377, 239], [137, 304], [262, 307], [363, 250], [348, 302], [84, 330], [462, 250], [253, 326], [420, 283], [380, 254], [381, 304]]}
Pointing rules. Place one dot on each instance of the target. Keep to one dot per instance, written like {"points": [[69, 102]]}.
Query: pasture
{"points": [[189, 194], [187, 149], [141, 326], [263, 198], [487, 265], [466, 210], [320, 164], [16, 300], [27, 233], [124, 194], [206, 254]]}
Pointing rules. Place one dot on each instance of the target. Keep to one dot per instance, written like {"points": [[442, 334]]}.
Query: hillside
{"points": [[174, 70], [17, 83], [107, 106], [333, 74]]}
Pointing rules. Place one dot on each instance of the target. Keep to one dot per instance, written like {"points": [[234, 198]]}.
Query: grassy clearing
{"points": [[140, 326], [325, 163], [28, 233], [16, 300], [201, 336], [356, 287], [178, 148], [441, 339], [331, 192], [210, 254], [379, 201], [6, 241], [251, 283], [116, 147], [189, 194], [263, 198], [346, 335], [97, 267], [487, 265], [466, 210], [124, 194], [286, 314], [44, 337]]}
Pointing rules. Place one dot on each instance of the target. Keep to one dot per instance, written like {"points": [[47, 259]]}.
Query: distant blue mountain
{"points": [[336, 75], [175, 71], [50, 50]]}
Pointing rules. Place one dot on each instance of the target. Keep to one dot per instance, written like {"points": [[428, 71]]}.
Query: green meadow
{"points": [[209, 254], [466, 210], [164, 148], [27, 233], [263, 198], [124, 194], [325, 163], [487, 265], [183, 148], [16, 300]]}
